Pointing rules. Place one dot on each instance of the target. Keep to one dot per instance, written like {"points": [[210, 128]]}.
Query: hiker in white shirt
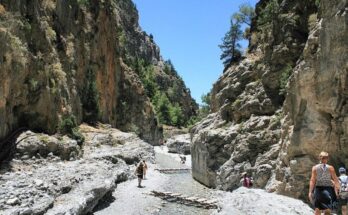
{"points": [[343, 178]]}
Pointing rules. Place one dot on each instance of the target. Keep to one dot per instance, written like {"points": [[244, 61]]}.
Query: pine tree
{"points": [[245, 15], [230, 44]]}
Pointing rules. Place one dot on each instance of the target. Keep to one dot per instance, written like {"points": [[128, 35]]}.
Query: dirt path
{"points": [[129, 199]]}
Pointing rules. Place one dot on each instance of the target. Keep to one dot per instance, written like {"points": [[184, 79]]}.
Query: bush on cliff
{"points": [[90, 98], [68, 126]]}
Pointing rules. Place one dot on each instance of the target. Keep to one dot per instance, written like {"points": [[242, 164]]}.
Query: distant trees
{"points": [[204, 110], [230, 47], [164, 98]]}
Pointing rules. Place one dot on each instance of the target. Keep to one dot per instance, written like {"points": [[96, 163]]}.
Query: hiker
{"points": [[182, 159], [246, 181], [343, 178], [323, 186], [139, 171], [145, 169]]}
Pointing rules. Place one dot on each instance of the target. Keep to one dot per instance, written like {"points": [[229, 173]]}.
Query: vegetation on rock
{"points": [[69, 127], [230, 47], [90, 97], [163, 96]]}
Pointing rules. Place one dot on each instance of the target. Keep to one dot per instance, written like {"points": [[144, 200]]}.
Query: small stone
{"points": [[27, 211], [25, 157], [38, 182], [13, 201]]}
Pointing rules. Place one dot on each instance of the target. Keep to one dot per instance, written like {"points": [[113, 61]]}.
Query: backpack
{"points": [[344, 187], [140, 169], [247, 182]]}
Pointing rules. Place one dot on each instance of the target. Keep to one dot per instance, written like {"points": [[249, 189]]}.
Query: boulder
{"points": [[31, 144], [258, 202], [179, 144]]}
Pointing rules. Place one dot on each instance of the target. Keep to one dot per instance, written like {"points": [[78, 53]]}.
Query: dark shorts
{"points": [[140, 176], [324, 198], [343, 202]]}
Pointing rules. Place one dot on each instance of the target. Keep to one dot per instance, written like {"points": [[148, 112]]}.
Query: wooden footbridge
{"points": [[186, 200], [174, 170]]}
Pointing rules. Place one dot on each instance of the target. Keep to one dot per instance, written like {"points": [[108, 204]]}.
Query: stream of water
{"points": [[128, 199]]}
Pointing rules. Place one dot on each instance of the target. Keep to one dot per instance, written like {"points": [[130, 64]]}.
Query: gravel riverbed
{"points": [[128, 199]]}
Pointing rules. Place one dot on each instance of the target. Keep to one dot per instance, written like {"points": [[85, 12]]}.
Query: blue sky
{"points": [[188, 33]]}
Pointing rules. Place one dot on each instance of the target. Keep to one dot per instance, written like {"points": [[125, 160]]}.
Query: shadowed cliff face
{"points": [[281, 105], [57, 57]]}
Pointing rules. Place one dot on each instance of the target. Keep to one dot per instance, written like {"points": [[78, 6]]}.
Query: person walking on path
{"points": [[246, 181], [145, 169], [323, 186], [343, 178], [139, 171]]}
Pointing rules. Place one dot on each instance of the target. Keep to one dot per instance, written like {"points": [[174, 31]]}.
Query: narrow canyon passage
{"points": [[128, 199]]}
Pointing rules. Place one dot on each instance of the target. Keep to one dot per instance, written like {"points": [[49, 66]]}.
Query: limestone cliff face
{"points": [[55, 55], [315, 109], [265, 124]]}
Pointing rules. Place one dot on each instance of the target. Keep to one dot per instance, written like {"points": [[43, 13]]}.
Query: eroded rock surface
{"points": [[52, 185], [259, 202]]}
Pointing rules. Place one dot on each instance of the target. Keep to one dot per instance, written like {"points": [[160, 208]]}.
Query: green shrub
{"points": [[176, 116], [284, 78], [237, 102], [90, 99], [83, 2], [76, 134], [121, 35], [68, 126], [162, 105], [268, 13]]}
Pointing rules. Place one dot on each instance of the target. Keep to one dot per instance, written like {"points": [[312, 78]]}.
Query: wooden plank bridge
{"points": [[187, 200], [174, 170]]}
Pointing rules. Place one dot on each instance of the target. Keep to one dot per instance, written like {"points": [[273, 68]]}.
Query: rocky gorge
{"points": [[81, 92], [275, 110]]}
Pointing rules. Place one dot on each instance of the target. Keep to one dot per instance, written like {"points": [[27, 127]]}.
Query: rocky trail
{"points": [[49, 177], [128, 199]]}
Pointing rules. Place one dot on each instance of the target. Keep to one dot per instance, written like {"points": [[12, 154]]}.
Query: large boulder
{"points": [[179, 144], [259, 202], [31, 144]]}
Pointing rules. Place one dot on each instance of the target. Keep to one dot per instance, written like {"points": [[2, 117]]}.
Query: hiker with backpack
{"points": [[343, 178], [139, 171], [246, 181], [323, 186]]}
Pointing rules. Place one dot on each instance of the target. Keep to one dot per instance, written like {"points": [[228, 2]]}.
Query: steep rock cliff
{"points": [[252, 129], [57, 57], [315, 109]]}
